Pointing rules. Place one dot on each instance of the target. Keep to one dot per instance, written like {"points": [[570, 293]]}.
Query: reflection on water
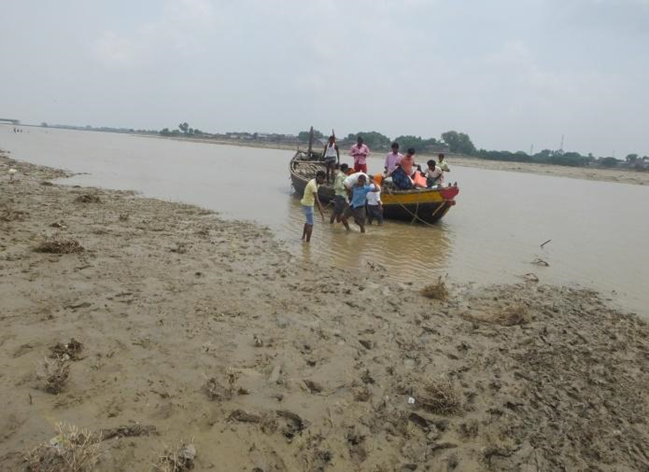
{"points": [[404, 249], [598, 229]]}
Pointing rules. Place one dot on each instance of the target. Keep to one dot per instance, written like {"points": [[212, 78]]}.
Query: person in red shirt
{"points": [[360, 152]]}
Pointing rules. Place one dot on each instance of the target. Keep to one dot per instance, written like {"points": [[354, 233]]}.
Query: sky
{"points": [[510, 73]]}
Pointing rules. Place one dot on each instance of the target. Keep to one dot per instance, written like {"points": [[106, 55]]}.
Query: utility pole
{"points": [[531, 149], [561, 147]]}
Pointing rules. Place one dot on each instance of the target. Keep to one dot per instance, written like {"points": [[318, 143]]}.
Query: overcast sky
{"points": [[510, 73]]}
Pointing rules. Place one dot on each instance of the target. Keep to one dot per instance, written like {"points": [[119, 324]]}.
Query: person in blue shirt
{"points": [[358, 196]]}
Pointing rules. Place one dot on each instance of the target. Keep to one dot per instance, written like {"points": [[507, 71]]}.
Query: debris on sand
{"points": [[511, 315], [288, 423], [60, 246], [55, 375], [178, 460], [243, 416], [71, 350], [313, 386], [71, 450], [439, 396], [361, 393], [540, 262], [88, 198], [291, 424], [436, 291], [59, 224], [530, 277], [132, 431], [181, 248], [216, 390], [8, 214]]}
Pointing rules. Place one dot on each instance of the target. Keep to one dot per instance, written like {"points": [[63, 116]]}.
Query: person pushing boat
{"points": [[358, 194]]}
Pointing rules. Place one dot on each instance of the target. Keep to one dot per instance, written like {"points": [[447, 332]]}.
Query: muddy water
{"points": [[598, 229]]}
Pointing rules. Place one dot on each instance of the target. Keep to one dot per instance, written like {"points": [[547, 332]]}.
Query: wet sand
{"points": [[199, 330]]}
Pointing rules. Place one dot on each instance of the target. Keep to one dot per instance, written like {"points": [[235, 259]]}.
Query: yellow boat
{"points": [[421, 204]]}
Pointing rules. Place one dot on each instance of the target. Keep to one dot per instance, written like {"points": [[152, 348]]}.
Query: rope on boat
{"points": [[415, 216]]}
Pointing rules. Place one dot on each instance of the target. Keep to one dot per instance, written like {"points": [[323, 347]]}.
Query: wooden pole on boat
{"points": [[310, 141]]}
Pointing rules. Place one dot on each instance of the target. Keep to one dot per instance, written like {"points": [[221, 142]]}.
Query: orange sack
{"points": [[419, 180], [378, 179]]}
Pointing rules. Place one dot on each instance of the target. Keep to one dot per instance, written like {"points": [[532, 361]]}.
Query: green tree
{"points": [[608, 161], [459, 142], [165, 132], [184, 127], [408, 141], [631, 158], [304, 135]]}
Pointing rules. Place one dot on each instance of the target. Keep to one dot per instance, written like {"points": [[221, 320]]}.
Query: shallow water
{"points": [[598, 229]]}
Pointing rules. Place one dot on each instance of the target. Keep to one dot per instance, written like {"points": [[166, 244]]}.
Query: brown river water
{"points": [[598, 229]]}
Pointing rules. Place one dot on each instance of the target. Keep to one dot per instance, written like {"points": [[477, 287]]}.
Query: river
{"points": [[597, 230]]}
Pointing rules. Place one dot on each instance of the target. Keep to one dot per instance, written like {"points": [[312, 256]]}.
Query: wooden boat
{"points": [[421, 205]]}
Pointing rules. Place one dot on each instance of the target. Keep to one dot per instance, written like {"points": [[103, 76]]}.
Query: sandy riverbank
{"points": [[586, 173], [207, 331], [624, 176]]}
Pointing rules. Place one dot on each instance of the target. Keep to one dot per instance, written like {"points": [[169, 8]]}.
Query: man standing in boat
{"points": [[331, 156], [392, 159], [360, 153], [309, 199]]}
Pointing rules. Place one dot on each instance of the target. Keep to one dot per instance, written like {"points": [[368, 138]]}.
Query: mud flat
{"points": [[173, 339]]}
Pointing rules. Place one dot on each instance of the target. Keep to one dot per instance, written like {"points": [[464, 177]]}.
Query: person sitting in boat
{"points": [[358, 195], [360, 153], [392, 159], [331, 156], [434, 175], [401, 180], [403, 177], [340, 193]]}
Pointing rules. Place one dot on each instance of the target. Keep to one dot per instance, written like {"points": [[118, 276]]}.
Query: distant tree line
{"points": [[182, 130], [449, 141]]}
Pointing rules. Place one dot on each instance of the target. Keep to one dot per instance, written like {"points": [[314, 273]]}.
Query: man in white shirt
{"points": [[374, 205], [434, 175]]}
